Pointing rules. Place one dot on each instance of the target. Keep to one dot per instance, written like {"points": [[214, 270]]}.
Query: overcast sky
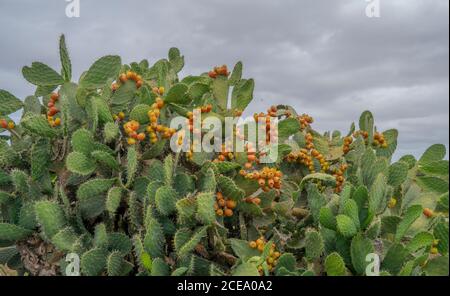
{"points": [[323, 57]]}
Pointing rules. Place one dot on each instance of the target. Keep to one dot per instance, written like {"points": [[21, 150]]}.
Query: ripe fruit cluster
{"points": [[305, 121], [339, 176], [158, 90], [428, 212], [119, 116], [392, 203], [271, 131], [252, 159], [131, 128], [224, 155], [379, 140], [7, 125], [129, 75], [52, 110], [267, 178], [153, 128], [272, 259], [219, 71], [237, 112], [190, 116], [364, 134], [347, 142], [224, 206], [253, 200], [434, 250], [305, 156]]}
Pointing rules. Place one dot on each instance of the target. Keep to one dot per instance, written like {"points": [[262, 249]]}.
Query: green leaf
{"points": [[139, 113], [411, 215], [160, 268], [184, 184], [176, 60], [51, 217], [132, 165], [189, 241], [40, 158], [101, 236], [395, 258], [123, 96], [316, 201], [186, 208], [229, 188], [100, 72], [78, 163], [432, 184], [65, 239], [246, 269], [438, 168], [421, 240], [31, 104], [93, 262], [91, 196], [242, 93], [155, 150], [166, 198], [177, 94], [41, 75], [220, 89], [242, 249], [37, 125], [65, 59], [433, 153], [168, 169], [11, 232], [327, 218], [114, 264], [359, 249], [105, 159], [398, 173], [314, 245], [377, 194], [103, 111], [288, 127], [205, 208], [224, 167], [83, 141], [154, 238], [350, 209], [326, 178], [366, 123], [335, 265], [437, 266], [118, 241], [287, 261], [110, 132], [409, 159], [346, 226], [236, 74], [208, 181], [9, 103], [113, 199], [441, 234]]}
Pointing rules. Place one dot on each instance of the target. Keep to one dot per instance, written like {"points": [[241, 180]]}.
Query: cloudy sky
{"points": [[324, 57]]}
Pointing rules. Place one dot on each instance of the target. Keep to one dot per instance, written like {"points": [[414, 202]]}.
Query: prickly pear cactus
{"points": [[89, 171]]}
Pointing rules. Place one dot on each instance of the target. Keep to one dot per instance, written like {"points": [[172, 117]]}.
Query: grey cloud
{"points": [[325, 58]]}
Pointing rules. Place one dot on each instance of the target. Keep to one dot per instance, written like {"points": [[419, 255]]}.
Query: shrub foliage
{"points": [[88, 170]]}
